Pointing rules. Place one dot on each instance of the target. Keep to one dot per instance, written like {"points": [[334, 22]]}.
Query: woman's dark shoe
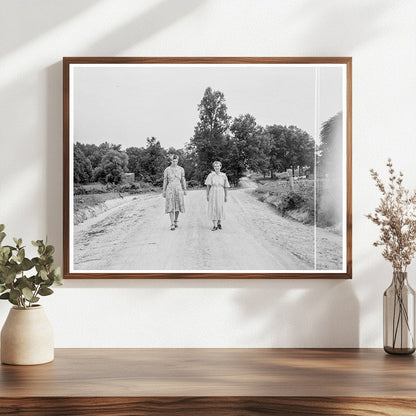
{"points": [[172, 227], [214, 228], [175, 224], [219, 226]]}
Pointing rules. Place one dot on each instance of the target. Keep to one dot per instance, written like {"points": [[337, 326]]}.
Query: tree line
{"points": [[240, 143]]}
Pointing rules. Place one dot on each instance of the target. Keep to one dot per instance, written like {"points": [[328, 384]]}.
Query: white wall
{"points": [[380, 35]]}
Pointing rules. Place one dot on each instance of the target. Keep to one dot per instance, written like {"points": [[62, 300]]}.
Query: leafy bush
{"points": [[291, 201], [15, 286], [193, 183]]}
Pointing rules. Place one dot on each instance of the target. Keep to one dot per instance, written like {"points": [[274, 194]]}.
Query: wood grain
{"points": [[67, 61], [212, 381], [207, 406]]}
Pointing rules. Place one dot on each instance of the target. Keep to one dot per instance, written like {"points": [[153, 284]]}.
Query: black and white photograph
{"points": [[207, 168]]}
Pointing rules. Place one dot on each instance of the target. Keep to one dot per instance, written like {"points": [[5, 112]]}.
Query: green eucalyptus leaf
{"points": [[24, 282], [58, 276], [37, 243], [12, 267], [15, 294], [5, 252], [2, 288], [21, 255], [26, 264], [38, 280], [2, 236], [5, 295], [55, 275], [2, 227], [27, 293], [49, 250], [48, 260], [45, 291], [34, 299], [4, 255], [9, 277], [43, 274]]}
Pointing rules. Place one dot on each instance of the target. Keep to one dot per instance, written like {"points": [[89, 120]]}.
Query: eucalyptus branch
{"points": [[17, 285]]}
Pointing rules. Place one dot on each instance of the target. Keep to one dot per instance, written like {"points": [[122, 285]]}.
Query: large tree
{"points": [[112, 167], [329, 171], [290, 147], [95, 153], [137, 158], [82, 166], [211, 139], [148, 163], [330, 149], [245, 147], [155, 161], [262, 162]]}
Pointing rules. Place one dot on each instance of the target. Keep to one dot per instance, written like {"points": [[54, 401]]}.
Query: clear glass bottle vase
{"points": [[399, 316]]}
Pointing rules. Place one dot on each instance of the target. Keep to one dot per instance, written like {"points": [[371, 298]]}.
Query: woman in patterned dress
{"points": [[217, 184], [174, 188]]}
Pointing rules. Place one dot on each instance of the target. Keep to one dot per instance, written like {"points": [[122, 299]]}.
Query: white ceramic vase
{"points": [[27, 337]]}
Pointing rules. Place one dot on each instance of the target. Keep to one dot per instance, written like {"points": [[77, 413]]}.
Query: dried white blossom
{"points": [[396, 217]]}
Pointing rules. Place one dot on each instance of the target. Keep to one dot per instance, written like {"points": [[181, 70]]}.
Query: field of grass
{"points": [[93, 194], [91, 200], [296, 203], [299, 203]]}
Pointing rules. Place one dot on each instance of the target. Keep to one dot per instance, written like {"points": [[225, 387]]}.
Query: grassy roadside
{"points": [[299, 203], [94, 194], [296, 203]]}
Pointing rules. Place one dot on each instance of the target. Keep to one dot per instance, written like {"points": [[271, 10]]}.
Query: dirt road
{"points": [[136, 236]]}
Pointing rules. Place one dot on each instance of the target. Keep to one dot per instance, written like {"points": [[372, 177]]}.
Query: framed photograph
{"points": [[207, 167]]}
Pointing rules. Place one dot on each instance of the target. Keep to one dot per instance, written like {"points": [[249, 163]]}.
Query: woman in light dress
{"points": [[174, 188], [217, 184]]}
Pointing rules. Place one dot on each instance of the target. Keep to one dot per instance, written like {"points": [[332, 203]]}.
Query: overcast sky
{"points": [[126, 104]]}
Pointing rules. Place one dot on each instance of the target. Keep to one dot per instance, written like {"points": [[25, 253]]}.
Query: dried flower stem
{"points": [[396, 217]]}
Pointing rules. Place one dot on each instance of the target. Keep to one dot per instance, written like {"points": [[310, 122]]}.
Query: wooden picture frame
{"points": [[296, 111]]}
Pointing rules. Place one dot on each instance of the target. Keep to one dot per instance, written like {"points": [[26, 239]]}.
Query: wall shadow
{"points": [[337, 17], [54, 166], [37, 17], [160, 16], [302, 314]]}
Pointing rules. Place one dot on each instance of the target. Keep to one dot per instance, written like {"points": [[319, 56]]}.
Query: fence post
{"points": [[290, 172]]}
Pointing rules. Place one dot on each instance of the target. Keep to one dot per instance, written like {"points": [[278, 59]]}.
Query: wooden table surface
{"points": [[212, 382]]}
